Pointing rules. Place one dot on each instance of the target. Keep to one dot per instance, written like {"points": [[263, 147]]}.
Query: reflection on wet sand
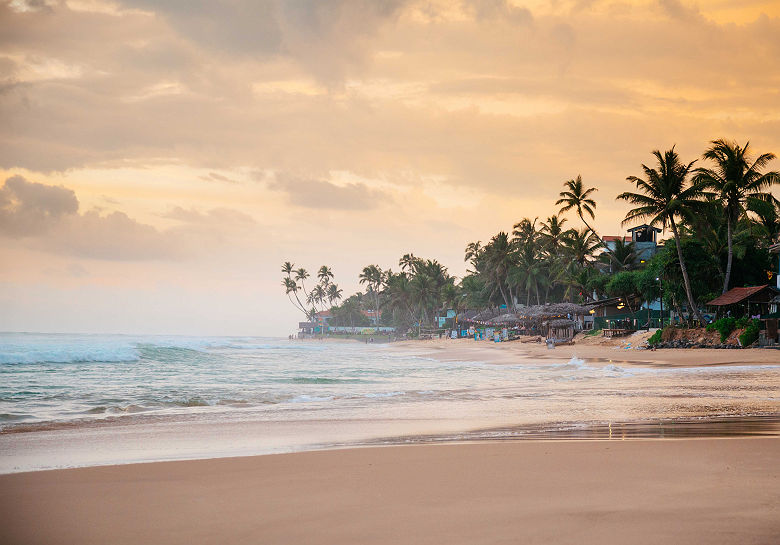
{"points": [[747, 426]]}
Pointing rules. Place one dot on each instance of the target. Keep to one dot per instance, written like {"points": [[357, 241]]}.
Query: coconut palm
{"points": [[474, 252], [552, 234], [580, 245], [624, 256], [408, 262], [324, 274], [372, 276], [300, 276], [334, 293], [665, 194], [524, 232], [577, 196], [499, 259], [735, 181]]}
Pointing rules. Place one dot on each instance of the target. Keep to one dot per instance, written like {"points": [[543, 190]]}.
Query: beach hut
{"points": [[560, 330], [747, 301]]}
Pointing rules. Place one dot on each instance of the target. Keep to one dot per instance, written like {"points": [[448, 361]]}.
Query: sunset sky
{"points": [[159, 160]]}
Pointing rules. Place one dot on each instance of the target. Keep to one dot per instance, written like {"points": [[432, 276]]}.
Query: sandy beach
{"points": [[625, 488], [622, 350], [713, 491]]}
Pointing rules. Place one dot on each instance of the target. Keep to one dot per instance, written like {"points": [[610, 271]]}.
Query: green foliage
{"points": [[655, 338], [724, 326], [743, 322], [593, 333], [623, 284], [750, 335]]}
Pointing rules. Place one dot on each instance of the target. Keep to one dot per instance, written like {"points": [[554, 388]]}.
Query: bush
{"points": [[724, 326], [750, 335], [743, 322], [593, 333], [655, 338]]}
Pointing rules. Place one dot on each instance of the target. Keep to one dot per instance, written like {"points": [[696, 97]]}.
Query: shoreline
{"points": [[149, 438], [593, 350], [586, 492]]}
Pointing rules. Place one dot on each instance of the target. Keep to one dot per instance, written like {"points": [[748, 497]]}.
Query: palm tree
{"points": [[372, 276], [324, 275], [474, 252], [300, 276], [735, 181], [580, 245], [334, 293], [291, 286], [578, 197], [525, 231], [664, 195], [552, 234], [624, 256], [767, 218], [408, 262], [499, 258]]}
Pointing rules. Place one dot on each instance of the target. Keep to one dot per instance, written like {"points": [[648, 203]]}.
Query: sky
{"points": [[159, 160]]}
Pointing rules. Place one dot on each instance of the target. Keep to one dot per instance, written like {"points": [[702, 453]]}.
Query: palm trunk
{"points": [[503, 293], [731, 254], [693, 308], [601, 242]]}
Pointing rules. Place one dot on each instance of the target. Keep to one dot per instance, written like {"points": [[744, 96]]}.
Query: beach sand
{"points": [[713, 491], [594, 349]]}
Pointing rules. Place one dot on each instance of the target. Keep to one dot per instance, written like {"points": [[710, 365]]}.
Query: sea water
{"points": [[69, 400]]}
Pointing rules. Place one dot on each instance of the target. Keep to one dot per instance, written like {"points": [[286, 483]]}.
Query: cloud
{"points": [[29, 208], [49, 216], [214, 177], [318, 194]]}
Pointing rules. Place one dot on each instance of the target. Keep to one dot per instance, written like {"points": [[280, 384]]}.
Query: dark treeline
{"points": [[719, 210]]}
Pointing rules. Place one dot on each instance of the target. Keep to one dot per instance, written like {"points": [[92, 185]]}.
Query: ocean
{"points": [[70, 400]]}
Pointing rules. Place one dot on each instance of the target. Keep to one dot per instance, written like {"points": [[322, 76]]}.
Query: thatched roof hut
{"points": [[553, 310]]}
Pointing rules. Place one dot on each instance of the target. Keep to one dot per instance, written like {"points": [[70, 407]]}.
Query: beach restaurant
{"points": [[760, 302], [558, 321]]}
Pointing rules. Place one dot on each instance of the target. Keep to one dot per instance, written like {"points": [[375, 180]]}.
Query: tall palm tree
{"points": [[499, 258], [300, 276], [552, 234], [372, 276], [735, 181], [577, 196], [664, 195], [474, 252], [325, 275], [525, 231], [334, 293], [408, 262], [291, 286]]}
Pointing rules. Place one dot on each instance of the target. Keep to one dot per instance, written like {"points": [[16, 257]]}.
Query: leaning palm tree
{"points": [[665, 194], [735, 181]]}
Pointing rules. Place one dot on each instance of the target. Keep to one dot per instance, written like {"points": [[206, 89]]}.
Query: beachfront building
{"points": [[753, 301], [645, 239]]}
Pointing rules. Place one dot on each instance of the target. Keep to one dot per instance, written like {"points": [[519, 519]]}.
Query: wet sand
{"points": [[714, 491]]}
